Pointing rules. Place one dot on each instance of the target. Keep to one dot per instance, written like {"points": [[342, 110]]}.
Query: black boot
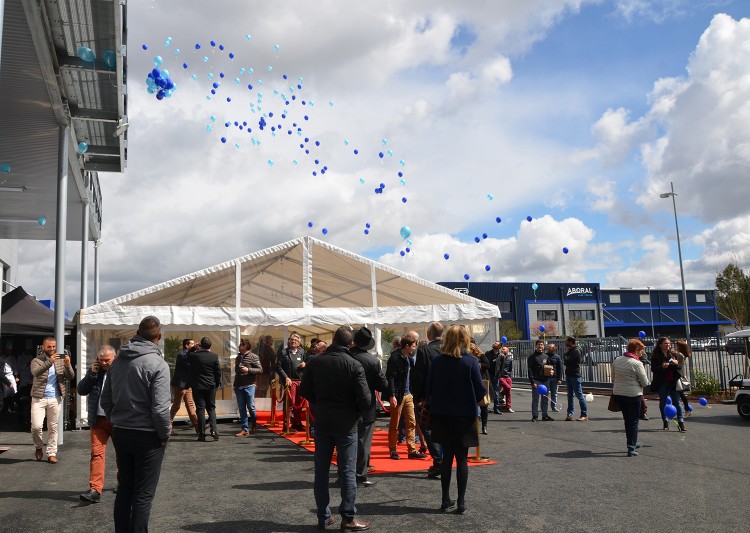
{"points": [[666, 425], [681, 425], [484, 430]]}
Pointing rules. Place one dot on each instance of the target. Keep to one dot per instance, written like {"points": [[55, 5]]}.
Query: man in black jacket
{"points": [[336, 388], [402, 400], [363, 341], [180, 384], [100, 430], [205, 378], [425, 354], [573, 379], [492, 355], [536, 363]]}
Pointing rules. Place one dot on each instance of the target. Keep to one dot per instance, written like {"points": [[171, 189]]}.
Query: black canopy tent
{"points": [[25, 315]]}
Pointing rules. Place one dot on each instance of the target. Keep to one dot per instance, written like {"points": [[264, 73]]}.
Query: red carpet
{"points": [[380, 457]]}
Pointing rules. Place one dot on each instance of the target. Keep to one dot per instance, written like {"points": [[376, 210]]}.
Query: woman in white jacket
{"points": [[629, 378]]}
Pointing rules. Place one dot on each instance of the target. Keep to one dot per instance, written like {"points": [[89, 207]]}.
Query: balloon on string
{"points": [[466, 277], [669, 400], [534, 286], [325, 231], [703, 402], [503, 339], [446, 256], [565, 250], [487, 267], [690, 408], [642, 334], [86, 54], [541, 389], [670, 411], [498, 220], [405, 232], [5, 168], [542, 328], [309, 224], [158, 61], [110, 58], [42, 220], [529, 219], [402, 253], [490, 197], [82, 147]]}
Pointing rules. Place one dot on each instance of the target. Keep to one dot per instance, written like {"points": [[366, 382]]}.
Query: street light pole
{"points": [[679, 254]]}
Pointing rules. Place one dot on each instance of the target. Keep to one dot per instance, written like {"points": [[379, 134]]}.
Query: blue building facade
{"points": [[606, 312]]}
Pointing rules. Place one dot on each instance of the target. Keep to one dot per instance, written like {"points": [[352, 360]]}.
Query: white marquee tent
{"points": [[305, 285]]}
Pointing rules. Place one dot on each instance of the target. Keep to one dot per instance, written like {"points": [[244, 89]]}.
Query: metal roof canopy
{"points": [[44, 85]]}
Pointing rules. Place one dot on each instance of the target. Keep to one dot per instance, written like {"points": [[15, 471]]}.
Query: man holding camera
{"points": [[100, 430], [47, 393]]}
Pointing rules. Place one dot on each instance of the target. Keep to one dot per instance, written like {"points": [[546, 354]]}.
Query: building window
{"points": [[503, 306], [583, 314], [614, 298], [645, 298], [545, 315], [673, 299], [700, 298]]}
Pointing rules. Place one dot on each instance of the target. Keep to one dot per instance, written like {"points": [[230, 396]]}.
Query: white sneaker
{"points": [[510, 410]]}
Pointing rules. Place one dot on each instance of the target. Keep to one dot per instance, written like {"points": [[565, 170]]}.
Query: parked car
{"points": [[602, 351], [735, 345]]}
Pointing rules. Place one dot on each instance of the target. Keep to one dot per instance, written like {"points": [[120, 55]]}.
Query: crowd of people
{"points": [[436, 388]]}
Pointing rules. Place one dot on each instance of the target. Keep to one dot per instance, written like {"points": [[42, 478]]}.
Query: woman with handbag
{"points": [[484, 371], [454, 387], [665, 375], [629, 378]]}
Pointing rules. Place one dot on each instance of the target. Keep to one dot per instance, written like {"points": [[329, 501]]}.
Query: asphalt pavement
{"points": [[552, 476]]}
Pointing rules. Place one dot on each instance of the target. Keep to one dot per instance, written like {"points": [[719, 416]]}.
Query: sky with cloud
{"points": [[577, 113]]}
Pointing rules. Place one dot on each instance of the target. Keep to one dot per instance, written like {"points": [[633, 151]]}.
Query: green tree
{"points": [[509, 330], [577, 327], [733, 295]]}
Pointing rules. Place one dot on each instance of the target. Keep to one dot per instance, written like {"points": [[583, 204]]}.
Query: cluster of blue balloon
{"points": [[158, 81], [87, 55]]}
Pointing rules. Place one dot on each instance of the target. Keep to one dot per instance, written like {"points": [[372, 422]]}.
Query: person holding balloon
{"points": [[504, 373], [666, 372], [629, 378], [535, 363]]}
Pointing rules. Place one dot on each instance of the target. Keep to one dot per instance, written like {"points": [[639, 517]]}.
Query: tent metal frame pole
{"points": [[61, 221], [2, 281]]}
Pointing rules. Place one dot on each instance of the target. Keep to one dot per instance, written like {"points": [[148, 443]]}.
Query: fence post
{"points": [[722, 381]]}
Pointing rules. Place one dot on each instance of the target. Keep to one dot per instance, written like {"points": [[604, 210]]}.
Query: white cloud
{"points": [[656, 11], [602, 194]]}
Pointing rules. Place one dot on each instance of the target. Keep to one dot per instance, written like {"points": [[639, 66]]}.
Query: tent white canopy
{"points": [[304, 284]]}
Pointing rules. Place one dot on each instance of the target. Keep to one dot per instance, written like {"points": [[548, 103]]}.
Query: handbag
{"points": [[549, 371], [485, 401], [682, 384], [424, 416], [613, 406]]}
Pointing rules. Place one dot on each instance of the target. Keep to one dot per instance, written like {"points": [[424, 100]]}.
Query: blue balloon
{"points": [[405, 232], [325, 231], [642, 334], [565, 250], [541, 389], [5, 168], [466, 277], [503, 339], [82, 147], [528, 218], [534, 286], [670, 411], [402, 253], [542, 328], [703, 402], [487, 268], [161, 94], [156, 73], [477, 239], [158, 61], [498, 220], [669, 400], [690, 408], [110, 58], [446, 256], [86, 54], [42, 220], [309, 224]]}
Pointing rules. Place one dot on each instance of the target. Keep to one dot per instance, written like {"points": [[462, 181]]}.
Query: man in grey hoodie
{"points": [[136, 400]]}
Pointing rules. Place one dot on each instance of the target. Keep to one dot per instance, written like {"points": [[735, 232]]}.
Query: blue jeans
{"points": [[139, 458], [245, 403], [535, 401], [495, 383], [574, 387], [346, 446], [552, 388], [668, 389]]}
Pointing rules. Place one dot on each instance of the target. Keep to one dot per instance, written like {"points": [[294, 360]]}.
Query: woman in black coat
{"points": [[484, 371], [665, 374], [454, 386]]}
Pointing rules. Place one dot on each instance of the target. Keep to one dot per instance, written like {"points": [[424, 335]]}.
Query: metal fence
{"points": [[716, 356]]}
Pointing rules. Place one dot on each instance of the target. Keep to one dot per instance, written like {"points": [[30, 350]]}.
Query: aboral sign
{"points": [[580, 291]]}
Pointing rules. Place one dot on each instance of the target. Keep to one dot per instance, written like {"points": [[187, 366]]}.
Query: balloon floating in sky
{"points": [[541, 389], [490, 197], [42, 220], [446, 256], [534, 286], [325, 231], [309, 224], [405, 232], [487, 267], [466, 277], [498, 220], [670, 411], [565, 250], [529, 219], [642, 334]]}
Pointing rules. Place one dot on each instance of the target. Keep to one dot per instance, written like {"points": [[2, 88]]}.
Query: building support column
{"points": [[60, 242]]}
